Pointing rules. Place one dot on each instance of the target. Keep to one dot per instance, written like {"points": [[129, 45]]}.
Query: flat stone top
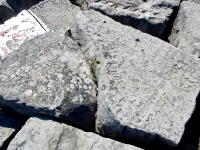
{"points": [[155, 11], [46, 71], [56, 13], [146, 83], [47, 134]]}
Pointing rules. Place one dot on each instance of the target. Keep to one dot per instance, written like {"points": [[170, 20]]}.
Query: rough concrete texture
{"points": [[48, 75], [19, 5], [47, 134], [149, 16], [185, 34], [64, 13], [147, 88], [8, 126], [17, 30], [6, 11]]}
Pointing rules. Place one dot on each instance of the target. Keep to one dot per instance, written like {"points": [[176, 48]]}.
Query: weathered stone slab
{"points": [[56, 13], [185, 34], [6, 11], [149, 16], [49, 75], [47, 134], [19, 5], [146, 87], [8, 127], [17, 30]]}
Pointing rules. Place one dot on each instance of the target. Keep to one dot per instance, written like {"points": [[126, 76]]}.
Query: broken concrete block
{"points": [[185, 33], [56, 13], [47, 134], [17, 30], [49, 75], [147, 88], [153, 16]]}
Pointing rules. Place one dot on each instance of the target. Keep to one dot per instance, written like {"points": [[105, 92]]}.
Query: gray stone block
{"points": [[56, 13], [47, 134], [185, 33], [6, 11], [49, 75], [147, 88], [149, 16]]}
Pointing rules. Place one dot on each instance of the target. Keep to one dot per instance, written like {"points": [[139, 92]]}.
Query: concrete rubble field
{"points": [[106, 74]]}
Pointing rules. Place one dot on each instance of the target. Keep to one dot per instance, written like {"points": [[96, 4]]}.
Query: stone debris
{"points": [[47, 134], [6, 11], [49, 75], [9, 125], [17, 30], [147, 88], [149, 16], [185, 34], [64, 13]]}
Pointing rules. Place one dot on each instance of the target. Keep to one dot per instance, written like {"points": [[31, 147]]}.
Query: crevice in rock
{"points": [[22, 119], [170, 23]]}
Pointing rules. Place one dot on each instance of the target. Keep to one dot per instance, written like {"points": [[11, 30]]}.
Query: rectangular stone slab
{"points": [[185, 33], [49, 75], [150, 16], [48, 134], [147, 88], [56, 13]]}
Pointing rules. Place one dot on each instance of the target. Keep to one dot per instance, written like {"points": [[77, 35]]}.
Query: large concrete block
{"points": [[185, 33], [150, 16], [147, 88], [47, 134], [49, 75], [56, 13]]}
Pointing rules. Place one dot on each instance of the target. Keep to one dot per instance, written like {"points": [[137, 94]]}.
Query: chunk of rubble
{"points": [[9, 125], [6, 11], [146, 87], [49, 75], [56, 13], [47, 134], [17, 30], [185, 33], [149, 16]]}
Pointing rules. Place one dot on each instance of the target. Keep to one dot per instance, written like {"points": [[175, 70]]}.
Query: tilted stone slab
{"points": [[19, 5], [9, 125], [146, 87], [17, 30], [6, 11], [149, 16], [47, 134], [48, 75], [185, 34], [56, 13]]}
